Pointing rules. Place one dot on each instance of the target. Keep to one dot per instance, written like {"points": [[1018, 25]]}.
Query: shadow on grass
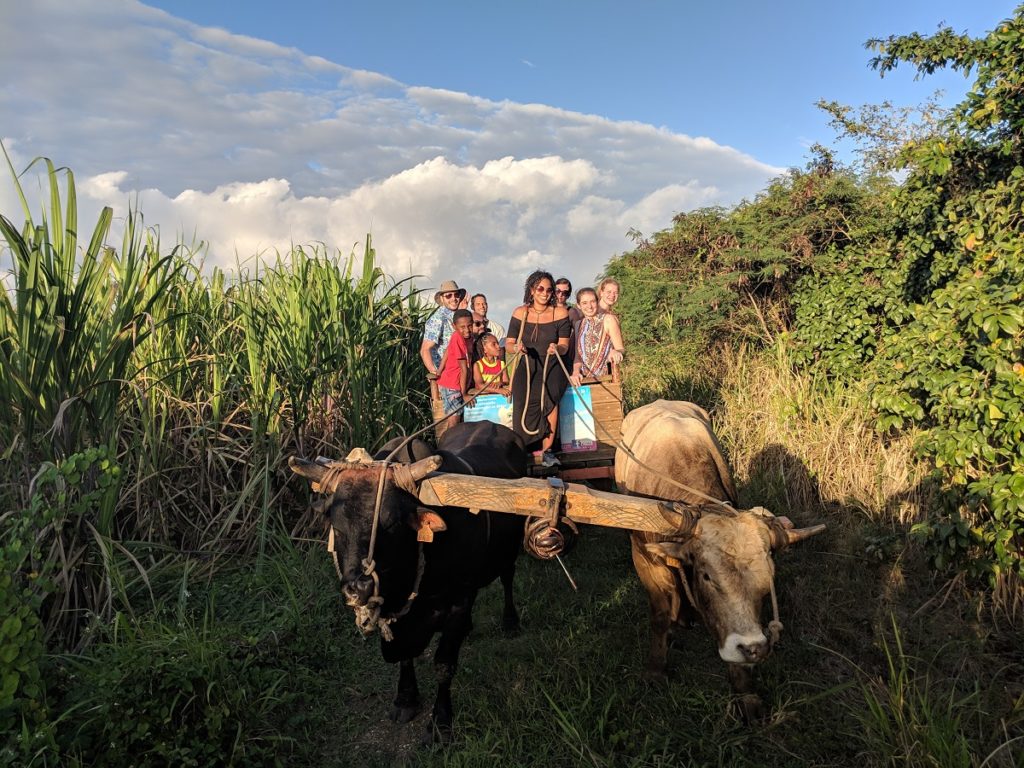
{"points": [[882, 655]]}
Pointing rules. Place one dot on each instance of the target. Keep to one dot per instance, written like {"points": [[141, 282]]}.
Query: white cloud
{"points": [[253, 146]]}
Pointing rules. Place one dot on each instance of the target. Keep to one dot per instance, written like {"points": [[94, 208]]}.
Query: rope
{"points": [[368, 616], [369, 566], [543, 390], [625, 449], [334, 552], [774, 626]]}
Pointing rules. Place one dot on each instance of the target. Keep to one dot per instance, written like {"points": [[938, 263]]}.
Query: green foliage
{"points": [[22, 589], [932, 312], [711, 276], [160, 694], [69, 327], [43, 575], [200, 385], [881, 130], [908, 719], [915, 286]]}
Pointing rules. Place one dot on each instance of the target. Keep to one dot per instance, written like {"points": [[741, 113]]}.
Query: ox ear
{"points": [[426, 522], [672, 553]]}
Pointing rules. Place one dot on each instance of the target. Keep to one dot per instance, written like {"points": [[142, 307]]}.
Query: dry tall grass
{"points": [[793, 440], [814, 440]]}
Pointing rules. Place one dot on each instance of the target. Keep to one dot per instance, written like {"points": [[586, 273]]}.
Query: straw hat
{"points": [[449, 285]]}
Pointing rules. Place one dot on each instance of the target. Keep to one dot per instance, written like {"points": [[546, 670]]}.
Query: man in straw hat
{"points": [[439, 328]]}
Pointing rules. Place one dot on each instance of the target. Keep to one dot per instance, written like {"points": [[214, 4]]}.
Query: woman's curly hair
{"points": [[531, 283]]}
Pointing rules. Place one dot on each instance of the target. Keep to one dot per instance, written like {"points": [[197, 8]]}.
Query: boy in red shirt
{"points": [[454, 382]]}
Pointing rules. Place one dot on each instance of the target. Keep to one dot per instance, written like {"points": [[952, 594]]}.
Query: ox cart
{"points": [[590, 425], [695, 552]]}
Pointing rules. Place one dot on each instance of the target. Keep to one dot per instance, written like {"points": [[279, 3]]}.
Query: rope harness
{"points": [[541, 535], [775, 626], [368, 615]]}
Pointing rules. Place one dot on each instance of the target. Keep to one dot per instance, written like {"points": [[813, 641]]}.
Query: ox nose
{"points": [[358, 591], [754, 651]]}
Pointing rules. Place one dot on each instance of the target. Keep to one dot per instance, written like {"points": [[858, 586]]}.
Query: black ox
{"points": [[412, 589]]}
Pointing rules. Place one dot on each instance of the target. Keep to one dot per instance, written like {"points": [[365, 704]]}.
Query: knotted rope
{"points": [[368, 616], [775, 626]]}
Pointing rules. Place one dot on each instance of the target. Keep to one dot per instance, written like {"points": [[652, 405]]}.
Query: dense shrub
{"points": [[937, 306], [185, 695], [46, 572], [709, 276], [915, 286]]}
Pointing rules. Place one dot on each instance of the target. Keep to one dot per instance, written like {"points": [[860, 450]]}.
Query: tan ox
{"points": [[720, 566]]}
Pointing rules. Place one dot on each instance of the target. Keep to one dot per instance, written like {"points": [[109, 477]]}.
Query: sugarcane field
{"points": [[476, 394]]}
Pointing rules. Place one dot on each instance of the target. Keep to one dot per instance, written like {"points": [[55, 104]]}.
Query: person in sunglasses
{"points": [[439, 328], [538, 331], [479, 305], [563, 290]]}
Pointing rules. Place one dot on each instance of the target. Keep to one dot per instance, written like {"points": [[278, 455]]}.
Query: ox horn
{"points": [[420, 469], [784, 537], [799, 534], [308, 469], [408, 476]]}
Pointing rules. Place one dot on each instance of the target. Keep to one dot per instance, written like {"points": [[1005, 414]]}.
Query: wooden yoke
{"points": [[530, 496]]}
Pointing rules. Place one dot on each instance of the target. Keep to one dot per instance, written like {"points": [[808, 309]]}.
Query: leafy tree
{"points": [[955, 362], [936, 306], [705, 279], [908, 270]]}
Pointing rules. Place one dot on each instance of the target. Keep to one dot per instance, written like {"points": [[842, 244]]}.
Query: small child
{"points": [[453, 383], [490, 367]]}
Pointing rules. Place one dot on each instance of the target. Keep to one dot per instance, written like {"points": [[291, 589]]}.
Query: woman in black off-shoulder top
{"points": [[538, 328]]}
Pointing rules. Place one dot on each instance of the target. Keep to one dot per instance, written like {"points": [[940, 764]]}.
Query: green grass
{"points": [[568, 690], [186, 626]]}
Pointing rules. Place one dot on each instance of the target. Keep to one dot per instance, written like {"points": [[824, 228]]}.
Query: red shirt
{"points": [[457, 351]]}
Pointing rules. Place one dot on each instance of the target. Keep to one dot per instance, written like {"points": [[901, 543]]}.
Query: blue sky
{"points": [[743, 73], [477, 141]]}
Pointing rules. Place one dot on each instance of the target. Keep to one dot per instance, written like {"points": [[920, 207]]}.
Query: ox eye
{"points": [[705, 577]]}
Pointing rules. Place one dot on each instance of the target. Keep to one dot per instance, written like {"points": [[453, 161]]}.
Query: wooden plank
{"points": [[588, 472], [529, 496]]}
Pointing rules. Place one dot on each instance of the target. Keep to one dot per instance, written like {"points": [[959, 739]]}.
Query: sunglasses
{"points": [[541, 289], [478, 324], [560, 292], [449, 294]]}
